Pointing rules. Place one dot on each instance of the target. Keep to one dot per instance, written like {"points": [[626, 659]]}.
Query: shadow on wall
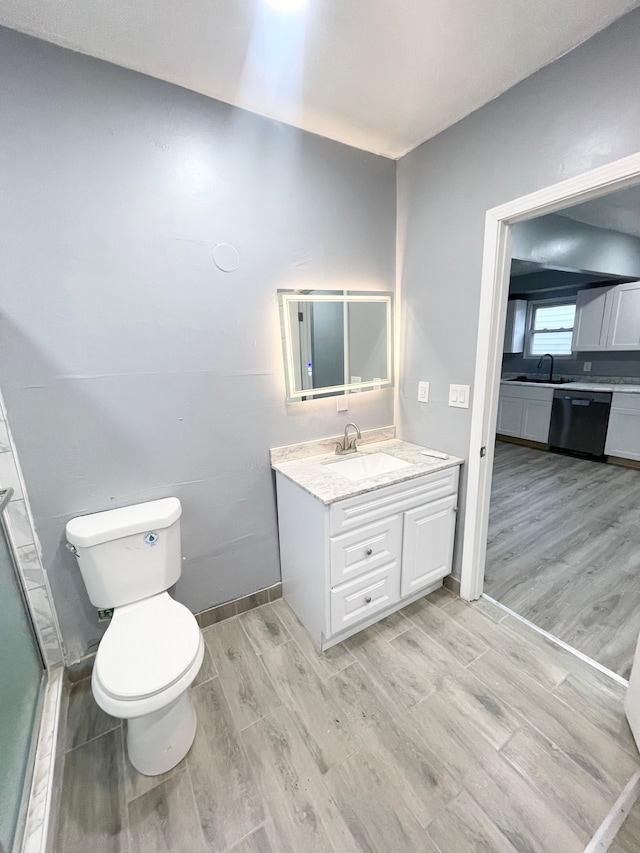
{"points": [[90, 444], [56, 428]]}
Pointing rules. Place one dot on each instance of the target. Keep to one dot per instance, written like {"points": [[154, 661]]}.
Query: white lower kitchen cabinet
{"points": [[510, 414], [524, 411], [347, 564], [623, 433], [536, 419]]}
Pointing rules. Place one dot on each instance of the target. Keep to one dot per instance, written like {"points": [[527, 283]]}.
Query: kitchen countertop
{"points": [[312, 473], [579, 386]]}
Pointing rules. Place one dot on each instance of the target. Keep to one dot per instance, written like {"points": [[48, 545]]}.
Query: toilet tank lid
{"points": [[99, 527]]}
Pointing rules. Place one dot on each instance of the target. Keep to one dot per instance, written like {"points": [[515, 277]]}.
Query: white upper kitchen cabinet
{"points": [[593, 312], [624, 322], [515, 326]]}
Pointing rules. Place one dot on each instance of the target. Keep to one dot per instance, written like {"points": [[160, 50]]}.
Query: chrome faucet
{"points": [[348, 446], [547, 355]]}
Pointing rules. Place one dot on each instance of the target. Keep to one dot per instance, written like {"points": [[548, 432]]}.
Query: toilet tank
{"points": [[129, 553]]}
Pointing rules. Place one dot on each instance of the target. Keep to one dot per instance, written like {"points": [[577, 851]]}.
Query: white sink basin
{"points": [[361, 466]]}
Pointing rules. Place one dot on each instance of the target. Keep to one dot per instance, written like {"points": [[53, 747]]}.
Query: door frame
{"points": [[494, 290]]}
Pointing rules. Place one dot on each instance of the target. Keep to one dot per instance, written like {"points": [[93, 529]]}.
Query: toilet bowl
{"points": [[152, 650], [146, 662]]}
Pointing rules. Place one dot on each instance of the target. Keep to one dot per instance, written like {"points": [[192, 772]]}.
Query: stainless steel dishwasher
{"points": [[579, 421]]}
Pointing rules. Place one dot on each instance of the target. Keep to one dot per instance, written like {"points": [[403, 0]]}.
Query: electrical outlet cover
{"points": [[423, 392]]}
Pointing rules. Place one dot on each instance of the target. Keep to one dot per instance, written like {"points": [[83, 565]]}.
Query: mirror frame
{"points": [[285, 297]]}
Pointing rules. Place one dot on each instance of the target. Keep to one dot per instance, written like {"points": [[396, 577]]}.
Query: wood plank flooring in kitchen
{"points": [[564, 549], [447, 728]]}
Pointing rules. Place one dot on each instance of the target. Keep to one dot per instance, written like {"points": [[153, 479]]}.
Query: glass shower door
{"points": [[21, 679]]}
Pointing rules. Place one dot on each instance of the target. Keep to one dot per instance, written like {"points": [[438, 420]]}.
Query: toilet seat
{"points": [[149, 646]]}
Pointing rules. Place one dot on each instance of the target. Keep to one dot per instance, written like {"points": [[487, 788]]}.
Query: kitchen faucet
{"points": [[348, 446], [547, 355]]}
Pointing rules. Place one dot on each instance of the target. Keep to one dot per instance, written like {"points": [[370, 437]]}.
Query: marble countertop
{"points": [[579, 386], [313, 473]]}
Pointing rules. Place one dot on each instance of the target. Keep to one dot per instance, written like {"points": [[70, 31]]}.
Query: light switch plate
{"points": [[459, 396], [423, 392], [586, 367]]}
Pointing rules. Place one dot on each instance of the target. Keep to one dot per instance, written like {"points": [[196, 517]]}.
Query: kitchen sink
{"points": [[361, 466]]}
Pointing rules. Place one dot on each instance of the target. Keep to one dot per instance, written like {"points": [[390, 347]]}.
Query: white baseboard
{"points": [[610, 826], [42, 784]]}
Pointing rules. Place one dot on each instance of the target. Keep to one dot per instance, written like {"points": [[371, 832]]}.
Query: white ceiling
{"points": [[618, 212], [381, 75]]}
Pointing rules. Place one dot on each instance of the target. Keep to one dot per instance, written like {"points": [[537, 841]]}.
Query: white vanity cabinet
{"points": [[524, 411], [347, 564], [623, 433]]}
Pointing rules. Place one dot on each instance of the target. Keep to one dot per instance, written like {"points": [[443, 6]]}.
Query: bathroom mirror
{"points": [[336, 342]]}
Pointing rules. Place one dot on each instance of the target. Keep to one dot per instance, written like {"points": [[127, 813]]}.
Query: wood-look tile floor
{"points": [[446, 728], [564, 549]]}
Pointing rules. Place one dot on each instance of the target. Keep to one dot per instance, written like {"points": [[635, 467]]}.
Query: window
{"points": [[550, 327]]}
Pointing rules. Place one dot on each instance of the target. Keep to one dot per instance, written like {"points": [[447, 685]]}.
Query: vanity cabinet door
{"points": [[427, 544]]}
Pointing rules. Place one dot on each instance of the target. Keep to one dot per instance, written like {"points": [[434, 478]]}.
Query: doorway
{"points": [[499, 240]]}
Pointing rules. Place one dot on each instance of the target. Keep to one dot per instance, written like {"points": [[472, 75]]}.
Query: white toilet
{"points": [[153, 649]]}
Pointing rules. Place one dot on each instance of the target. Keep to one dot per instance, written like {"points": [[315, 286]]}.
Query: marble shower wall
{"points": [[26, 547]]}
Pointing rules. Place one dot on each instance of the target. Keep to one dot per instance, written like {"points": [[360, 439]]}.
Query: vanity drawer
{"points": [[365, 549], [358, 599], [380, 503]]}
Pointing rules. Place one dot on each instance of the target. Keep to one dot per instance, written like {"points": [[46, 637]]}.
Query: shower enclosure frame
{"points": [[37, 721], [16, 525]]}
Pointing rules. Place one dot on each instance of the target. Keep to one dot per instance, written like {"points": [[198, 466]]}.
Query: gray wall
{"points": [[576, 114], [131, 366], [561, 242]]}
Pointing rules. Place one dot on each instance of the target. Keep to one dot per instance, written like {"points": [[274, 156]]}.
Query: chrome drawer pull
{"points": [[367, 600], [369, 552]]}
